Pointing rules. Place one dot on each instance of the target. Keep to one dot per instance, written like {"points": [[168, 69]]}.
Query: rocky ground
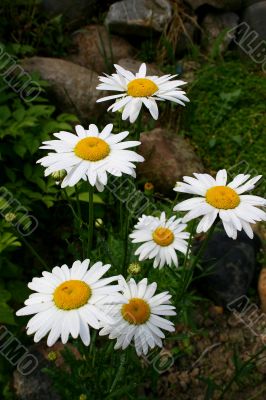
{"points": [[210, 355], [127, 25]]}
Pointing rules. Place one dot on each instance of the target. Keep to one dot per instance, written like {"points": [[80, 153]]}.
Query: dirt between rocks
{"points": [[209, 355]]}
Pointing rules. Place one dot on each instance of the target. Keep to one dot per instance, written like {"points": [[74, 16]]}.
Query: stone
{"points": [[261, 364], [216, 24], [133, 66], [262, 289], [138, 17], [99, 50], [73, 86], [233, 264], [229, 5], [189, 70], [38, 385], [168, 158], [71, 11], [255, 16], [186, 38], [247, 3]]}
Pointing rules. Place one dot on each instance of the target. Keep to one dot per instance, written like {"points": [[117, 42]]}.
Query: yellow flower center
{"points": [[136, 312], [222, 197], [92, 149], [72, 294], [163, 236], [141, 87]]}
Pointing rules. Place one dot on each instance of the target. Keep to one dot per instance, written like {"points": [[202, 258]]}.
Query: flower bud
{"points": [[9, 217], [59, 176], [134, 269], [52, 356], [149, 188], [98, 223]]}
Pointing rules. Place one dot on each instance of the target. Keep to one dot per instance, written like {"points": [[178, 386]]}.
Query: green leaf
{"points": [[5, 113], [4, 295], [18, 290], [41, 183], [27, 171], [7, 240], [10, 174], [212, 142], [237, 139], [6, 314], [19, 114], [85, 197], [67, 118], [20, 150]]}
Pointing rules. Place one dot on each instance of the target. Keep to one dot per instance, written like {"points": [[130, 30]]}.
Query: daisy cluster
{"points": [[70, 301]]}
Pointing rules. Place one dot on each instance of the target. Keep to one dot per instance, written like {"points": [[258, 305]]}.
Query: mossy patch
{"points": [[226, 118]]}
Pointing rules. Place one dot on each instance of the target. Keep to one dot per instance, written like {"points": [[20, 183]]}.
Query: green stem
{"points": [[174, 272], [125, 241], [121, 210], [92, 344], [187, 274], [34, 252], [91, 219], [67, 198], [120, 371], [80, 222], [190, 242], [203, 246], [138, 126], [78, 204]]}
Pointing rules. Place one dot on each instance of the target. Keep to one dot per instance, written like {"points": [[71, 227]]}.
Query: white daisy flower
{"points": [[139, 317], [90, 155], [161, 239], [67, 302], [137, 89], [217, 198]]}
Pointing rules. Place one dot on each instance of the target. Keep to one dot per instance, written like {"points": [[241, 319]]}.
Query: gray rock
{"points": [[255, 17], [186, 38], [189, 70], [37, 385], [251, 34], [228, 5], [247, 3], [99, 50], [232, 266], [73, 86], [168, 158], [71, 10], [215, 24], [138, 17]]}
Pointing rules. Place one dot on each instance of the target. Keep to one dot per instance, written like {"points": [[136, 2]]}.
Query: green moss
{"points": [[226, 117]]}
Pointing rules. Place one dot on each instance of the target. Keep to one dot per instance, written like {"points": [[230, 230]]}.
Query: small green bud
{"points": [[99, 223], [134, 269], [59, 176], [52, 356], [9, 217]]}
